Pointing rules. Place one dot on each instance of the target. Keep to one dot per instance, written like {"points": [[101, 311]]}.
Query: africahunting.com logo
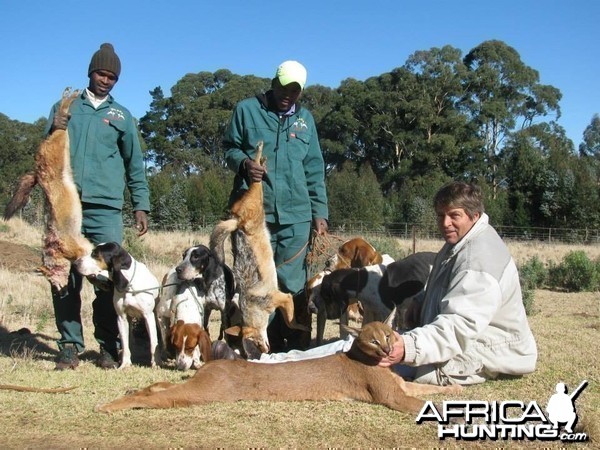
{"points": [[512, 419]]}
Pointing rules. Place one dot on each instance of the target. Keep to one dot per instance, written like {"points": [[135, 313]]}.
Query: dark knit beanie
{"points": [[105, 59]]}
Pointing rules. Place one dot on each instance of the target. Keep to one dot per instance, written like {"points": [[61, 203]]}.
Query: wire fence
{"points": [[416, 231], [430, 231]]}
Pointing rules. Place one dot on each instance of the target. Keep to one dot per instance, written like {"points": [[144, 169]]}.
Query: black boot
{"points": [[67, 357]]}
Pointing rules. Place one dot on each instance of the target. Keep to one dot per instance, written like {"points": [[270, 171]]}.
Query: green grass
{"points": [[566, 330], [566, 327]]}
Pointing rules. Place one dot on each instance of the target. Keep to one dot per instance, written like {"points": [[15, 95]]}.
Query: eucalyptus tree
{"points": [[404, 123], [185, 130], [340, 129], [503, 95], [527, 172], [589, 151], [591, 139], [434, 114], [330, 114], [354, 195], [549, 185]]}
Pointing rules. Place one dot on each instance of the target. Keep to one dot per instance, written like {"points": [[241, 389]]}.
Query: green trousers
{"points": [[289, 243], [100, 224]]}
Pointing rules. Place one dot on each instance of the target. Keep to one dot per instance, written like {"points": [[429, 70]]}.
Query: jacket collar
{"points": [[475, 230], [448, 251], [85, 95]]}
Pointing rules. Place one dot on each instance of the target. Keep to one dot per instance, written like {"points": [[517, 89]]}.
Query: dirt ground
{"points": [[18, 257]]}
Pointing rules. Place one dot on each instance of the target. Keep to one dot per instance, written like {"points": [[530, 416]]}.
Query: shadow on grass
{"points": [[26, 344], [23, 342]]}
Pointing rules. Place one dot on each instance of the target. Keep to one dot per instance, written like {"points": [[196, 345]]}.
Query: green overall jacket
{"points": [[105, 153], [294, 185]]}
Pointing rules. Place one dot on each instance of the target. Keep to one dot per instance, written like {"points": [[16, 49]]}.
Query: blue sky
{"points": [[48, 45]]}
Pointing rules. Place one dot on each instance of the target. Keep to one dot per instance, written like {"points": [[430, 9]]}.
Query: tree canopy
{"points": [[390, 140]]}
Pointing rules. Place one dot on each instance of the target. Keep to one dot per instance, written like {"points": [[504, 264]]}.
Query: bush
{"points": [[356, 195], [134, 245], [576, 273], [528, 301], [533, 274], [389, 245]]}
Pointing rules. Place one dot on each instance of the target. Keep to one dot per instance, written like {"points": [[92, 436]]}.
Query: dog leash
{"points": [[196, 300], [129, 290], [155, 288], [298, 253], [323, 247], [344, 260]]}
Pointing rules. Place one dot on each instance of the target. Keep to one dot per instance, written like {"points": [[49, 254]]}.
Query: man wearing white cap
{"points": [[294, 178]]}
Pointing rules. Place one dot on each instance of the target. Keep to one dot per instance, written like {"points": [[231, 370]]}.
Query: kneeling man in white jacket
{"points": [[472, 322]]}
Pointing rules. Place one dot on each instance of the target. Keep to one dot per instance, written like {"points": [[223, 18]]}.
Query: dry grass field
{"points": [[566, 327]]}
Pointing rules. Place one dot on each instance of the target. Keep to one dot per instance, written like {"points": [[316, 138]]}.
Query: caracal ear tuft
{"points": [[391, 318]]}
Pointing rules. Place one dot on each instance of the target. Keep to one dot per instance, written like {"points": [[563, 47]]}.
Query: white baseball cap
{"points": [[291, 72]]}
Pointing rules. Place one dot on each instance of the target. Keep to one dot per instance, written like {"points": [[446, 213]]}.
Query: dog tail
{"points": [[217, 238], [21, 196]]}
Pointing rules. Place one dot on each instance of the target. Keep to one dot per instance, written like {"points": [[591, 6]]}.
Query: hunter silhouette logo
{"points": [[561, 406], [510, 419]]}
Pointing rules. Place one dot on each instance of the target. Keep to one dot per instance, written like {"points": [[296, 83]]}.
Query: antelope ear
{"points": [[390, 319], [350, 330]]}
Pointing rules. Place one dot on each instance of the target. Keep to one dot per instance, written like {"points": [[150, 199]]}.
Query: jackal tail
{"points": [[21, 196]]}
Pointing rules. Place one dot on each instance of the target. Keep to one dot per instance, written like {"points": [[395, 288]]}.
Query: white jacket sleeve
{"points": [[470, 303]]}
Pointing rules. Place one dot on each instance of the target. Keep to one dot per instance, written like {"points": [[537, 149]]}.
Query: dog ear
{"points": [[205, 345], [176, 334], [377, 259], [121, 259], [332, 296], [119, 280], [212, 270], [361, 254]]}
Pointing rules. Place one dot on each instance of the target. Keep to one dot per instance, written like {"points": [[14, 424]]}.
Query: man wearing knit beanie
{"points": [[105, 59], [106, 158]]}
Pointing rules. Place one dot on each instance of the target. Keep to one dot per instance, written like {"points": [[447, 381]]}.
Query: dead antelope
{"points": [[354, 375]]}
